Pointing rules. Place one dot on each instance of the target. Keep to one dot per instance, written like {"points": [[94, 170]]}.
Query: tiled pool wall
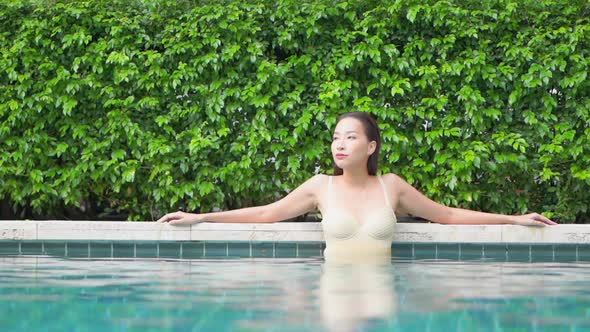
{"points": [[142, 249], [217, 249], [214, 240]]}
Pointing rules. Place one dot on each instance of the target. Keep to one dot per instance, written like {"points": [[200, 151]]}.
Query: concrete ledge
{"points": [[283, 232]]}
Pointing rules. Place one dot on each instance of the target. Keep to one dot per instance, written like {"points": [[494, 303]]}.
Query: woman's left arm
{"points": [[419, 205]]}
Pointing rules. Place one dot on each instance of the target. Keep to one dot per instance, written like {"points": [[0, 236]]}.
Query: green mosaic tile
{"points": [[101, 249], [9, 248], [584, 252], [286, 250], [31, 248], [471, 251], [447, 251], [424, 251], [192, 249], [566, 252], [495, 251], [239, 249], [542, 253], [215, 249], [169, 249], [77, 249], [123, 250], [263, 249], [146, 250], [55, 248], [402, 250], [309, 250], [198, 249], [518, 252]]}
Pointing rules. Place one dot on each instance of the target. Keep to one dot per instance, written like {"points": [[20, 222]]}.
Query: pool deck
{"points": [[282, 232]]}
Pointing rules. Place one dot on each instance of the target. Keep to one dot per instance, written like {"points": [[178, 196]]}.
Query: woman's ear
{"points": [[372, 147]]}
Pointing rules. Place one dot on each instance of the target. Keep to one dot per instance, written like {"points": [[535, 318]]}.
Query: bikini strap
{"points": [[387, 201], [330, 186]]}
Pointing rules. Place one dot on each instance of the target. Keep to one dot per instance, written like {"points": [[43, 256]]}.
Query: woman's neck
{"points": [[355, 178]]}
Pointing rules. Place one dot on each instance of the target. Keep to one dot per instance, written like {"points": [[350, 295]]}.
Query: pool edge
{"points": [[11, 230]]}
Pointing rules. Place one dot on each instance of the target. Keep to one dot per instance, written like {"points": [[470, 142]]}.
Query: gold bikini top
{"points": [[372, 234]]}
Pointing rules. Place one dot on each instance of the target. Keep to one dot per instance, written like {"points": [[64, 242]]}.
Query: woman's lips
{"points": [[341, 156]]}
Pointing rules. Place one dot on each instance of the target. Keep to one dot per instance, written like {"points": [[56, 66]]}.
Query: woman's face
{"points": [[350, 145]]}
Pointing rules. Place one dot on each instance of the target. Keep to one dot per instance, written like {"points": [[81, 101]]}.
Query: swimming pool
{"points": [[53, 293]]}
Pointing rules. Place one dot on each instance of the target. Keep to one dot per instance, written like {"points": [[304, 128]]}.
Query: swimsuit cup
{"points": [[367, 239]]}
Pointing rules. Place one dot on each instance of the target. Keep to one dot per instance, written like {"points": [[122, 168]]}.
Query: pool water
{"points": [[45, 293]]}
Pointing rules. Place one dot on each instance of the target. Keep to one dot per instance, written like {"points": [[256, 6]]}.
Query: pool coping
{"points": [[19, 230]]}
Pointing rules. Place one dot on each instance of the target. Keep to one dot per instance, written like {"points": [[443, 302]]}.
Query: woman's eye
{"points": [[351, 137]]}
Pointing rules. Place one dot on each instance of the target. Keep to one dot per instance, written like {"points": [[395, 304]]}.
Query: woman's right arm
{"points": [[301, 200]]}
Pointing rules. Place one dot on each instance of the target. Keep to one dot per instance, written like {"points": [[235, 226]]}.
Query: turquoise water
{"points": [[44, 293]]}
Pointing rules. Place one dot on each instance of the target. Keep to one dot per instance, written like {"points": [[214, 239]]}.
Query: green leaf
{"points": [[129, 175], [412, 13]]}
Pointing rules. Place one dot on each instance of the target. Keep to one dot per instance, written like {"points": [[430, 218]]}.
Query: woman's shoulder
{"points": [[391, 178], [320, 177], [321, 180], [315, 183], [317, 179]]}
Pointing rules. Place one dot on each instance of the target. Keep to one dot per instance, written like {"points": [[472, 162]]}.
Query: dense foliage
{"points": [[131, 108]]}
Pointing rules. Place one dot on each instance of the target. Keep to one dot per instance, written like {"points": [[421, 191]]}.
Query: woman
{"points": [[357, 206]]}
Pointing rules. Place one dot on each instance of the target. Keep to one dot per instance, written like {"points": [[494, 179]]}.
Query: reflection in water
{"points": [[353, 293], [289, 295]]}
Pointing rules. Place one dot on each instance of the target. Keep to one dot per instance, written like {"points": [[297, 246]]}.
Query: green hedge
{"points": [[139, 107]]}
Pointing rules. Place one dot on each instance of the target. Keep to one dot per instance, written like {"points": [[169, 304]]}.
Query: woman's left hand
{"points": [[533, 219], [181, 218]]}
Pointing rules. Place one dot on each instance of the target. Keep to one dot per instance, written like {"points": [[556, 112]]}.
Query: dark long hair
{"points": [[372, 133]]}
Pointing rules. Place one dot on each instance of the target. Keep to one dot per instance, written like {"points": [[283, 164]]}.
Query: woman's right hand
{"points": [[181, 218], [532, 219]]}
